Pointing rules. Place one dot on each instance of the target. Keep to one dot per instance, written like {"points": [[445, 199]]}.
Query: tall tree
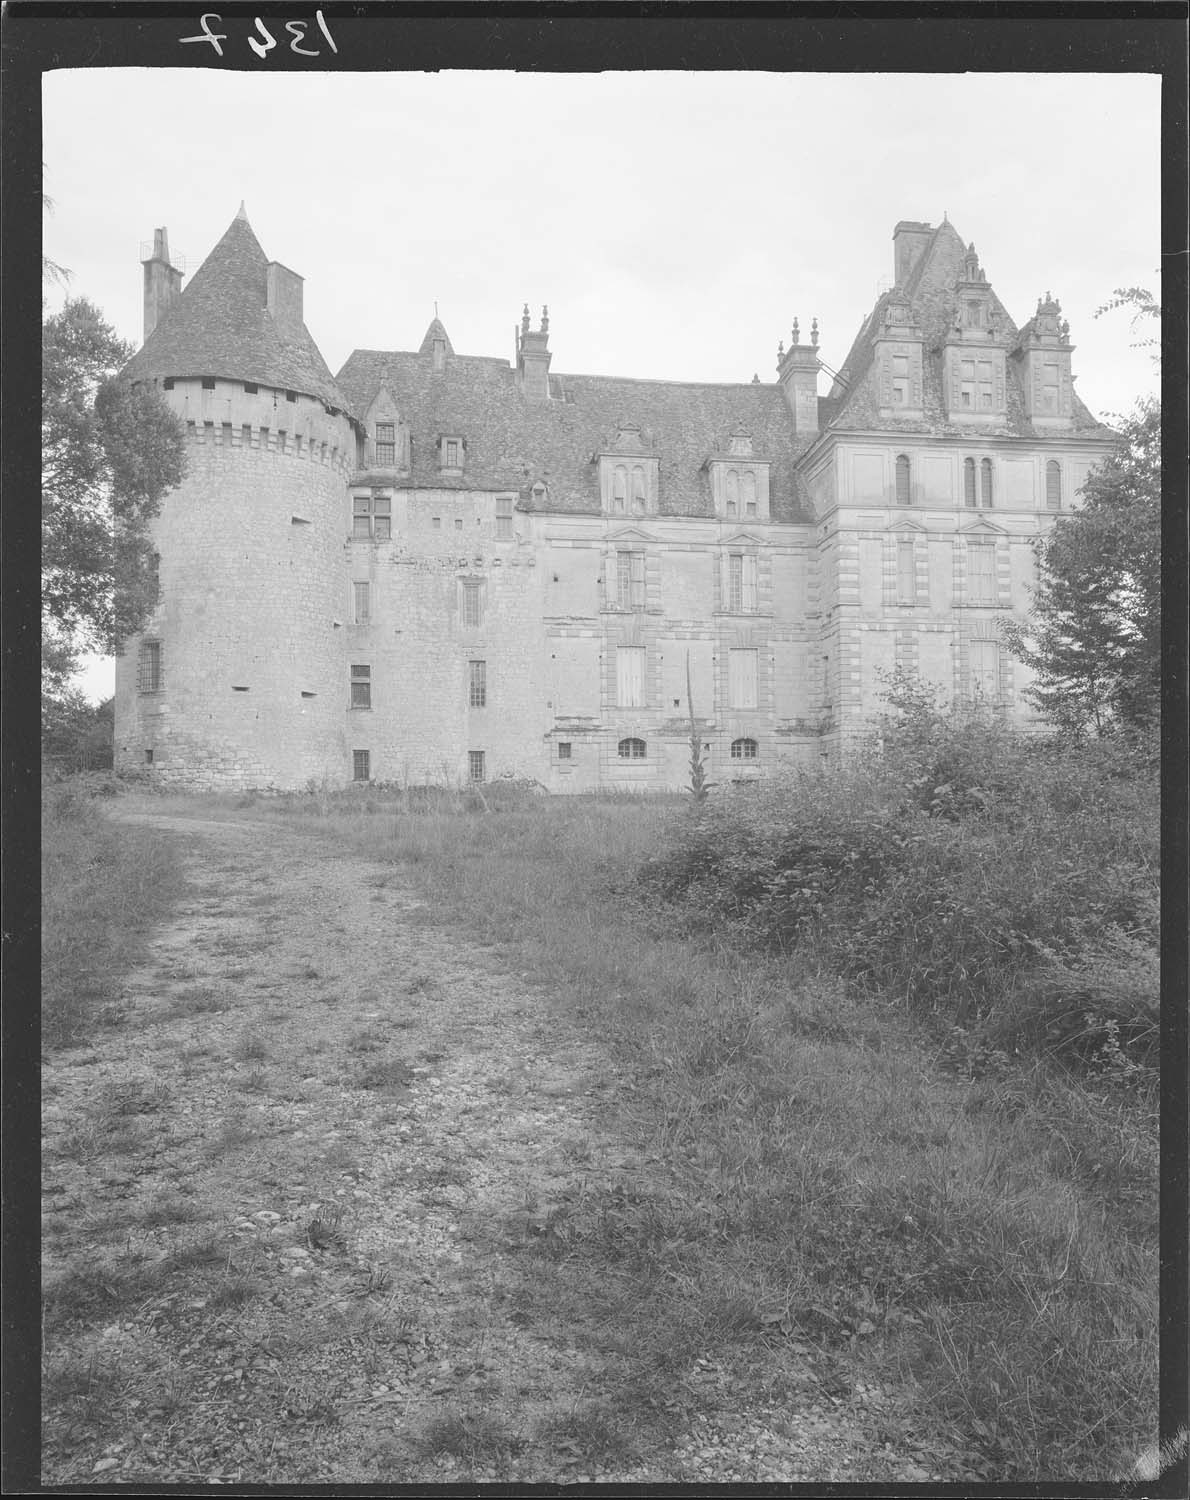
{"points": [[1093, 633], [110, 453]]}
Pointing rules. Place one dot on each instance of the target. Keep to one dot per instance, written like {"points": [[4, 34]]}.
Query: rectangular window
{"points": [[361, 765], [900, 379], [981, 572], [450, 454], [985, 670], [563, 749], [386, 447], [472, 601], [906, 572], [477, 688], [504, 519], [361, 687], [371, 516], [475, 765], [630, 580], [741, 583], [149, 667], [630, 677], [741, 678], [363, 602], [1049, 388]]}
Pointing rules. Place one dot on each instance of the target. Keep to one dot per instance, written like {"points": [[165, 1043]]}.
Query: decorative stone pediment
{"points": [[631, 534], [983, 528], [905, 523], [742, 539]]}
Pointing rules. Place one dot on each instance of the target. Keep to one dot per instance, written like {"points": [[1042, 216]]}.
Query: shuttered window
{"points": [[630, 580], [630, 677], [906, 572], [363, 602], [981, 572], [741, 678]]}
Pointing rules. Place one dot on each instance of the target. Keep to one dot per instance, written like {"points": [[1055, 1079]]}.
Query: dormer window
{"points": [[386, 445], [620, 489], [973, 313], [450, 453], [900, 379], [639, 492], [748, 489]]}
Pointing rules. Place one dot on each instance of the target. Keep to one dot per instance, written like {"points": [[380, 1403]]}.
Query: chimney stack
{"points": [[533, 357], [797, 373], [163, 281], [910, 238]]}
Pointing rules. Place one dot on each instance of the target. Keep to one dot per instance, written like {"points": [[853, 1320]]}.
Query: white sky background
{"points": [[675, 223]]}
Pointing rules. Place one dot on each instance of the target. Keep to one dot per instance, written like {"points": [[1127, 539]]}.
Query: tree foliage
{"points": [[111, 450], [1093, 634]]}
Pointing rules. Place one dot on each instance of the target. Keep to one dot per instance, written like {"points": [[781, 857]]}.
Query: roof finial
{"points": [[435, 307], [814, 333], [945, 220], [525, 320], [545, 318], [780, 351], [243, 213], [795, 337]]}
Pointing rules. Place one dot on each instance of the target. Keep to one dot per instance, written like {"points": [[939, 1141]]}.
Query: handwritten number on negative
{"points": [[296, 29]]}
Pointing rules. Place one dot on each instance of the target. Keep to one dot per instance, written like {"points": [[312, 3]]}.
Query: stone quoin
{"points": [[441, 567]]}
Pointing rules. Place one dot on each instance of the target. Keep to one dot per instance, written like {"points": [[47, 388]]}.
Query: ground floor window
{"points": [[631, 749], [361, 765], [475, 767], [149, 679], [563, 749], [744, 749]]}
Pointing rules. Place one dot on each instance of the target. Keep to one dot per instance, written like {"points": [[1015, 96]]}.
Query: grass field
{"points": [[965, 1212]]}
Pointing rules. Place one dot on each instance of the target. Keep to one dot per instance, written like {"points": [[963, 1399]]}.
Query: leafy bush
{"points": [[990, 878]]}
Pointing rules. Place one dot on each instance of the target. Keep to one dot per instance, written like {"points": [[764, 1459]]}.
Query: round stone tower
{"points": [[239, 678]]}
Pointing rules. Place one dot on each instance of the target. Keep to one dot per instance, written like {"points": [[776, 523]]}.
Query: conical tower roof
{"points": [[436, 330], [220, 324]]}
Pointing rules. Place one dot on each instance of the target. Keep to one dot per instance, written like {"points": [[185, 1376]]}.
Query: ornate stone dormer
{"points": [[387, 442], [628, 473], [797, 373], [897, 358], [739, 480], [1043, 351], [533, 357], [973, 356]]}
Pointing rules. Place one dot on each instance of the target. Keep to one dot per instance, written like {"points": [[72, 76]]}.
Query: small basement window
{"points": [[475, 766], [307, 694], [236, 689], [631, 749], [250, 388], [208, 382], [361, 765], [168, 383], [744, 749], [291, 395]]}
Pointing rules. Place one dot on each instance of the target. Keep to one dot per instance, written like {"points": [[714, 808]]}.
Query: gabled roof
{"points": [[512, 442], [931, 292], [220, 325]]}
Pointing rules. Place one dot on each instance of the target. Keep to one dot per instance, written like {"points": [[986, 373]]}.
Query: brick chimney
{"points": [[284, 295], [797, 373], [533, 357], [163, 281]]}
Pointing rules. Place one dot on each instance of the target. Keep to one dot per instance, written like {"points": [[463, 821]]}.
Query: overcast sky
{"points": [[675, 223]]}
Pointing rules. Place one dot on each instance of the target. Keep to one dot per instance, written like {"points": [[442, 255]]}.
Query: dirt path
{"points": [[291, 1201]]}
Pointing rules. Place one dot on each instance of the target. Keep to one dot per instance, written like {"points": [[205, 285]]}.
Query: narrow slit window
{"points": [[903, 493], [969, 483], [985, 483], [1053, 485]]}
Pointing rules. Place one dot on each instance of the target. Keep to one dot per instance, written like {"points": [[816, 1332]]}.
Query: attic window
{"points": [[291, 395], [250, 388], [208, 382], [451, 452], [386, 447], [168, 383]]}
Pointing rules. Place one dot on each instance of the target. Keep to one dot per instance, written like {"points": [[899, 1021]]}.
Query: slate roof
{"points": [[220, 325], [930, 290], [512, 443]]}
